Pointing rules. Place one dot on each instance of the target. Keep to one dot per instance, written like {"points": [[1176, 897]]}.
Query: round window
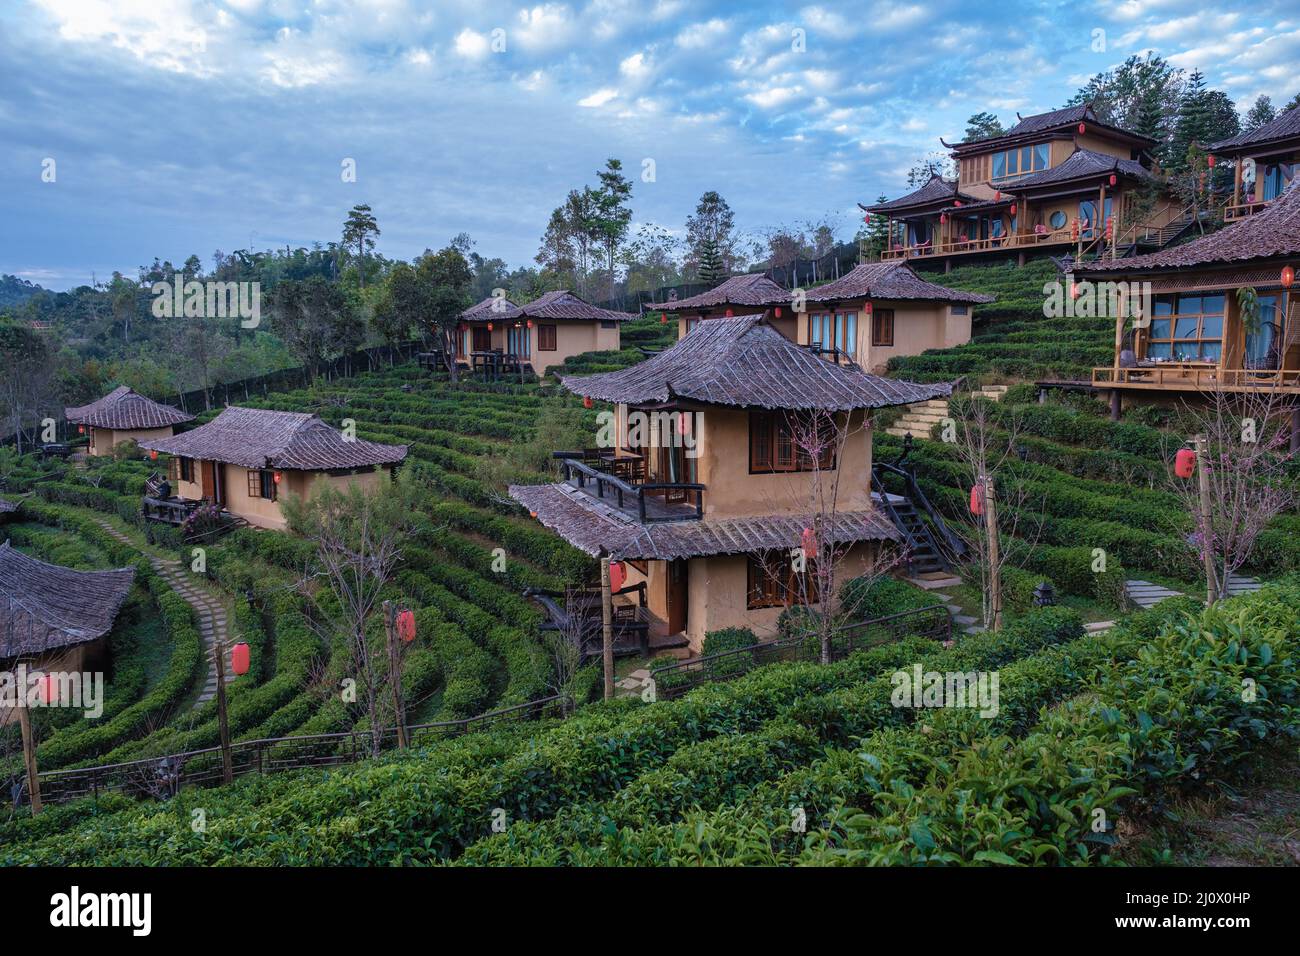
{"points": [[1058, 220]]}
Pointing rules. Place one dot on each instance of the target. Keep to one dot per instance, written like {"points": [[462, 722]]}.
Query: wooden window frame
{"points": [[259, 480], [174, 470], [545, 334], [772, 448], [1200, 338], [878, 328], [186, 469], [771, 581]]}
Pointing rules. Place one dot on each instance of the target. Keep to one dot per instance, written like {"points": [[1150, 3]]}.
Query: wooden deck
{"points": [[1197, 377]]}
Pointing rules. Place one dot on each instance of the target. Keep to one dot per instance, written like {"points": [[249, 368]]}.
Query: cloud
{"points": [[471, 44], [599, 98]]}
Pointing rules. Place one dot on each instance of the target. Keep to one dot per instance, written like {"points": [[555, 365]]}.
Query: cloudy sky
{"points": [[185, 126]]}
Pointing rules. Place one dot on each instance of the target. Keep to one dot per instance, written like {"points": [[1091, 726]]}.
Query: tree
{"points": [[359, 230], [1260, 113], [982, 126], [709, 267], [933, 164], [430, 295], [713, 223], [650, 260], [558, 254], [1142, 94], [315, 319], [1204, 116], [873, 238], [26, 377], [358, 534], [1295, 102], [613, 215]]}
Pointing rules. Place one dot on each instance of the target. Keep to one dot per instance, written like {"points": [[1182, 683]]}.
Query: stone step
{"points": [[1096, 627], [933, 583]]}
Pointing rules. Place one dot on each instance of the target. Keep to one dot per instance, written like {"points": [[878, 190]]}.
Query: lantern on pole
{"points": [[977, 500], [239, 657], [1013, 209], [1288, 277], [1185, 463], [808, 543], [617, 575], [406, 625]]}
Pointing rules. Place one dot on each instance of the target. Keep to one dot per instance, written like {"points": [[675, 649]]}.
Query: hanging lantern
{"points": [[1288, 277], [489, 326], [1013, 209], [943, 217], [867, 218], [1074, 290], [276, 477], [49, 690], [1210, 160], [1113, 179], [663, 318], [977, 500], [1074, 229], [81, 429], [532, 514], [808, 542], [586, 401], [683, 423], [1185, 463], [997, 196], [1083, 128], [239, 659], [153, 455], [777, 312], [866, 307], [406, 625], [1110, 226], [956, 202], [530, 323], [730, 313], [617, 575]]}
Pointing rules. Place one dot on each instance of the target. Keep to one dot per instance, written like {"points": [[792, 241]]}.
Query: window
{"points": [[261, 484], [960, 310], [1277, 178], [835, 330], [519, 341], [1057, 220], [882, 327], [779, 441], [546, 338], [1262, 344], [607, 323], [691, 322], [1186, 328], [1020, 162], [187, 469], [773, 582]]}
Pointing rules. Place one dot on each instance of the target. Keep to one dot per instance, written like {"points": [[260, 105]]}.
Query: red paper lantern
{"points": [[943, 217], [532, 514], [276, 477], [49, 690], [530, 323], [956, 202], [1288, 277], [1074, 290], [977, 500], [153, 455], [1210, 160], [239, 659], [663, 319], [617, 575], [1083, 128], [1074, 229], [866, 307], [586, 401], [808, 542], [489, 326], [730, 313], [1013, 209], [81, 429], [997, 196], [1113, 179], [777, 312], [406, 625], [1184, 463], [683, 423]]}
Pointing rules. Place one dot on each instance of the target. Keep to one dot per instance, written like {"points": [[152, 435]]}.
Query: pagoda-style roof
{"points": [[744, 362], [45, 607], [1083, 165], [890, 280], [1054, 123], [596, 528], [261, 438], [936, 192], [7, 507], [1274, 232], [550, 305], [753, 289], [124, 409], [1283, 127]]}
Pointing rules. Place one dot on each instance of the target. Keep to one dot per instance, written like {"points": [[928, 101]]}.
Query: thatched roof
{"points": [[749, 290], [1274, 232], [593, 527], [1284, 126], [260, 438], [890, 280], [744, 362], [7, 507], [45, 607], [551, 305], [124, 409]]}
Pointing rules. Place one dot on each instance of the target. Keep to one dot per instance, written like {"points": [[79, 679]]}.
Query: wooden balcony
{"points": [[622, 483], [957, 247], [1196, 377], [1243, 209]]}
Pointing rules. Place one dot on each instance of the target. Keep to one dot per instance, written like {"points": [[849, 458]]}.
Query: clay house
{"points": [[708, 487], [1055, 183], [246, 459], [1265, 161], [539, 334], [1200, 331], [750, 294], [124, 415], [55, 618]]}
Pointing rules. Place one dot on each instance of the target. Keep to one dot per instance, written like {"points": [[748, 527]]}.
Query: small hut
{"points": [[124, 415]]}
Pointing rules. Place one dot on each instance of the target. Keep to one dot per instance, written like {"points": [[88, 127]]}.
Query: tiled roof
{"points": [[745, 362], [1272, 232], [597, 529], [890, 280], [44, 606], [936, 190], [260, 438], [1283, 126], [1081, 164], [7, 507], [754, 289], [125, 409], [1053, 119], [551, 305]]}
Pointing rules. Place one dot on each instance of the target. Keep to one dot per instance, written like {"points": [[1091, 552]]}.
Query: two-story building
{"points": [[1053, 183], [246, 459], [866, 317], [1264, 161], [713, 480], [540, 334], [124, 415], [1222, 314]]}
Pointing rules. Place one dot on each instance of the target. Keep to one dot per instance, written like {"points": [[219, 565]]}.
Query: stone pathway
{"points": [[1145, 594], [968, 624], [632, 684], [213, 626]]}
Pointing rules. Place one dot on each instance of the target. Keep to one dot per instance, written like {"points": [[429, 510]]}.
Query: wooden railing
{"points": [[162, 777], [1196, 375], [1243, 209], [652, 499], [992, 244]]}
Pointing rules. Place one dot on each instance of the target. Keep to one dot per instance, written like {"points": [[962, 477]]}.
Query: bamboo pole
{"points": [[29, 755], [223, 725], [395, 674], [1202, 443], [995, 571], [606, 628]]}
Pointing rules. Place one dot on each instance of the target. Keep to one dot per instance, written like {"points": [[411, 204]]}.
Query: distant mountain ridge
{"points": [[16, 291]]}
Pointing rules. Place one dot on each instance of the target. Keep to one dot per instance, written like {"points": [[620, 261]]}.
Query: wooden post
{"points": [[1295, 429], [395, 675], [227, 765], [1203, 481], [1236, 183], [995, 571], [606, 628], [29, 754]]}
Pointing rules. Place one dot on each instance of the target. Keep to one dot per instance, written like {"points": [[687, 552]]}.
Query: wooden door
{"points": [[208, 484], [677, 595], [482, 339]]}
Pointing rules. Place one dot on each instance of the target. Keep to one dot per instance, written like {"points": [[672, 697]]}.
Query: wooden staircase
{"points": [[919, 419]]}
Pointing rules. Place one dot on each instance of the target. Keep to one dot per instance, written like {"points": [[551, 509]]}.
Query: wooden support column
{"points": [[1202, 444], [607, 628], [1295, 429], [995, 571], [29, 754], [1115, 404]]}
